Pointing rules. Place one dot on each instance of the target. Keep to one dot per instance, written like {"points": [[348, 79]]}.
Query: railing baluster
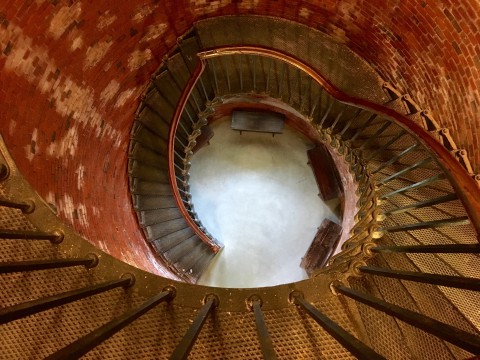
{"points": [[386, 145], [31, 307], [459, 282], [325, 115], [395, 158], [332, 127], [183, 348], [417, 185], [453, 335], [422, 204], [349, 122], [405, 171], [430, 249], [255, 304], [83, 345], [212, 63], [55, 237], [347, 340], [359, 130], [25, 207], [11, 267], [462, 220], [375, 136]]}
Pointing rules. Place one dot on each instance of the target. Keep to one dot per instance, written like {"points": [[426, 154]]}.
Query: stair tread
{"points": [[150, 217], [147, 172], [171, 240], [161, 229], [143, 187], [146, 202]]}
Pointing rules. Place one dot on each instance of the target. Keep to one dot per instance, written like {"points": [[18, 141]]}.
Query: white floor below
{"points": [[257, 195]]}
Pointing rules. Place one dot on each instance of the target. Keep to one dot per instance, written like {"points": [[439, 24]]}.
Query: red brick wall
{"points": [[72, 72]]}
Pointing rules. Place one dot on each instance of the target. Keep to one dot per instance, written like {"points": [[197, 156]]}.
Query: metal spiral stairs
{"points": [[406, 284]]}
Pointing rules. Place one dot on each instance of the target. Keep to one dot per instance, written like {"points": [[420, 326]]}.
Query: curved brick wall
{"points": [[71, 76]]}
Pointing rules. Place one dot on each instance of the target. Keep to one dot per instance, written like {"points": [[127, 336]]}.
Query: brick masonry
{"points": [[72, 73]]}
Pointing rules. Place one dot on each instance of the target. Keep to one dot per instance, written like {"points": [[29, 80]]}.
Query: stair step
{"points": [[146, 172], [171, 240], [161, 229], [147, 156], [178, 70], [149, 139], [174, 254], [193, 264], [189, 48], [166, 87], [155, 121], [150, 217], [142, 187], [148, 202], [202, 263]]}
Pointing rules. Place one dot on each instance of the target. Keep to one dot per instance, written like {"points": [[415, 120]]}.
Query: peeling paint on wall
{"points": [[77, 43], [95, 53], [304, 12], [66, 146], [109, 92], [138, 58], [69, 98], [11, 127], [32, 148], [80, 172], [207, 7], [123, 97], [248, 4], [142, 11], [63, 19], [105, 20], [154, 31]]}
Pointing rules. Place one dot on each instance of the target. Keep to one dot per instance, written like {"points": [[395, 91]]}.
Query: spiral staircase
{"points": [[405, 286]]}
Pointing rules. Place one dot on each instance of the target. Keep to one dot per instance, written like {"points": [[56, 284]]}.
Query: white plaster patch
{"points": [[71, 211], [154, 31], [66, 146], [80, 172], [11, 127], [82, 215], [105, 20], [109, 92], [96, 53], [304, 12], [63, 18], [50, 198], [32, 148], [77, 43], [96, 211], [138, 58], [141, 12], [123, 97], [208, 7], [80, 101]]}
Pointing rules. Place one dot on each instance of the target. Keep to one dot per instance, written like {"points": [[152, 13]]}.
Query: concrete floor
{"points": [[257, 195]]}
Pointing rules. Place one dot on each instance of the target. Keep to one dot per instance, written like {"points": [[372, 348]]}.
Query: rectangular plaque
{"points": [[269, 122]]}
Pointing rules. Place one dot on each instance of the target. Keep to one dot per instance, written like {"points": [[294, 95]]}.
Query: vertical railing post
{"points": [[255, 304], [185, 345]]}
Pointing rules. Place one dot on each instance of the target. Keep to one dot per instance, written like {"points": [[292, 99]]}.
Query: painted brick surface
{"points": [[72, 72]]}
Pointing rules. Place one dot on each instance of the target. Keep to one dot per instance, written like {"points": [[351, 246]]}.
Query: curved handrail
{"points": [[466, 188], [215, 247]]}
